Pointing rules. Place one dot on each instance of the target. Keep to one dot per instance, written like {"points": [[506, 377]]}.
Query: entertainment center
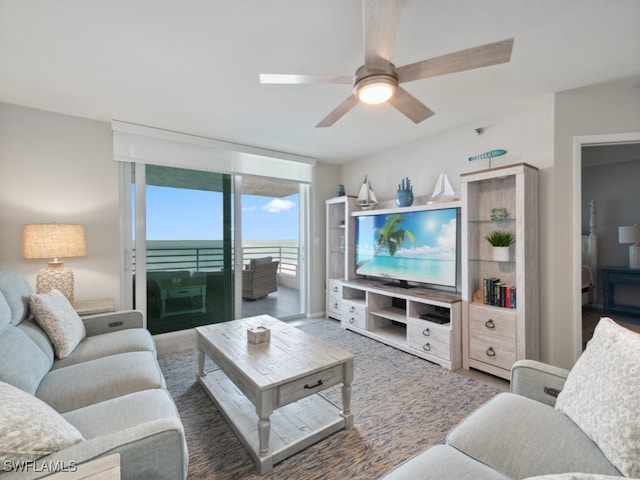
{"points": [[404, 289], [468, 305]]}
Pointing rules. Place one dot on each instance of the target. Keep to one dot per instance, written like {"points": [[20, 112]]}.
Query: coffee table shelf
{"points": [[294, 427]]}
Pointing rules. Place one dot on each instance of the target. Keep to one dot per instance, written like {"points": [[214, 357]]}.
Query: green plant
{"points": [[500, 238]]}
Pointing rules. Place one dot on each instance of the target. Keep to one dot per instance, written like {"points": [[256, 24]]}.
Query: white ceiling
{"points": [[192, 66]]}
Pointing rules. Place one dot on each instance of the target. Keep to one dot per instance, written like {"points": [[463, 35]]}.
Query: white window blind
{"points": [[141, 144]]}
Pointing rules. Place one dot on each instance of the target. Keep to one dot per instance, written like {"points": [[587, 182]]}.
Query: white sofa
{"points": [[106, 396], [590, 431]]}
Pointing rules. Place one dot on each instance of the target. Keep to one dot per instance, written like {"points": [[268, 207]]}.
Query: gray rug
{"points": [[401, 405]]}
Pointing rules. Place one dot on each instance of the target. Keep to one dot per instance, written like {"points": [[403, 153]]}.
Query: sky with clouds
{"points": [[182, 214]]}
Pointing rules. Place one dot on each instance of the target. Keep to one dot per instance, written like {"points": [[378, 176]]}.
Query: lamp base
{"points": [[634, 256], [56, 276]]}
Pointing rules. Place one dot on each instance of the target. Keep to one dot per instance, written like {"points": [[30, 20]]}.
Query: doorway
{"points": [[609, 167]]}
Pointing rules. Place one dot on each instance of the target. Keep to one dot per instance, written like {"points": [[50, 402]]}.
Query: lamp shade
{"points": [[629, 234], [53, 240]]}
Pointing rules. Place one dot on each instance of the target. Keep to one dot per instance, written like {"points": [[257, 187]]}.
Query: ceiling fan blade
{"points": [[410, 106], [380, 22], [304, 79], [469, 59], [338, 112]]}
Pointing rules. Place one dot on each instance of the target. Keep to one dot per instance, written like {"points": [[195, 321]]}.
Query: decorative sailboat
{"points": [[443, 191], [366, 198]]}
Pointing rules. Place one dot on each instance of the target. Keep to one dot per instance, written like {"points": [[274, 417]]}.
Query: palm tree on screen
{"points": [[391, 236]]}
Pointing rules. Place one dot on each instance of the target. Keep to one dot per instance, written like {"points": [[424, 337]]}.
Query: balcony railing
{"points": [[197, 259]]}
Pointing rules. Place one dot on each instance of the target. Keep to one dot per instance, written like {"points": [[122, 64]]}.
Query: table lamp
{"points": [[54, 240], [631, 234]]}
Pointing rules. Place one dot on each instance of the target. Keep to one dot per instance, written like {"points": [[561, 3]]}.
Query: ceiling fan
{"points": [[378, 80]]}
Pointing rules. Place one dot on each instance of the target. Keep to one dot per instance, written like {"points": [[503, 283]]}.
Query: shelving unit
{"points": [[340, 251], [494, 337], [392, 315]]}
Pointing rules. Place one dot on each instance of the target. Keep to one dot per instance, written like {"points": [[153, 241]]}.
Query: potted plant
{"points": [[500, 240]]}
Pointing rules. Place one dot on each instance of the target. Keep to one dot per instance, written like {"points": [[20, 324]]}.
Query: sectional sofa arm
{"points": [[154, 449], [112, 321], [537, 380]]}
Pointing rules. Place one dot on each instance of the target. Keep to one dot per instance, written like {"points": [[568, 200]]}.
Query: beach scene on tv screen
{"points": [[417, 246]]}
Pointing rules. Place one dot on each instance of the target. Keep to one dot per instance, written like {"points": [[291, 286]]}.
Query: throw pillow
{"points": [[59, 320], [29, 428], [602, 394]]}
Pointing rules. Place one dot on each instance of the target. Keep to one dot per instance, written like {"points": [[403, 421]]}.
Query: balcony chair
{"points": [[259, 278]]}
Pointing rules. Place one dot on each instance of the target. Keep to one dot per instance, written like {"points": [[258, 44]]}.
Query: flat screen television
{"points": [[409, 248]]}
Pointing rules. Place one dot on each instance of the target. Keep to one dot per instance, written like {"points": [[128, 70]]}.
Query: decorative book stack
{"points": [[498, 294]]}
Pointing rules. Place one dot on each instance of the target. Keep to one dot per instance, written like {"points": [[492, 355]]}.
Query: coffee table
{"points": [[187, 287], [267, 392]]}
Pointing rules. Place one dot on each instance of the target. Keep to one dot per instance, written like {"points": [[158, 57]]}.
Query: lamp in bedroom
{"points": [[54, 240], [631, 234]]}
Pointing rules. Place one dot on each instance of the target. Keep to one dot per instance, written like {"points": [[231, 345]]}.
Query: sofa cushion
{"points": [[120, 413], [35, 333], [521, 437], [29, 428], [602, 397], [574, 476], [16, 290], [59, 320], [106, 344], [143, 427], [94, 381], [22, 363], [443, 462], [5, 313]]}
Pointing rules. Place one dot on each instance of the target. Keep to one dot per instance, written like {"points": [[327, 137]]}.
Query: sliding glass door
{"points": [[185, 260], [271, 232], [195, 237]]}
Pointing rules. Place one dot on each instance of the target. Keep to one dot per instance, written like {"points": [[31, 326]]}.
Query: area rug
{"points": [[401, 405]]}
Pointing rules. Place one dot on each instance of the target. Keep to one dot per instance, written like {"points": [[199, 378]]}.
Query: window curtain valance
{"points": [[141, 144]]}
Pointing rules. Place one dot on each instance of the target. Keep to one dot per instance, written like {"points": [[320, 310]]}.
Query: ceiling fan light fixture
{"points": [[376, 89]]}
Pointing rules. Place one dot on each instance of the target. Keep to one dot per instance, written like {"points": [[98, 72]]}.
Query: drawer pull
{"points": [[491, 352], [115, 324], [335, 289], [426, 347], [352, 320], [489, 323], [352, 309], [426, 332], [335, 305], [309, 387]]}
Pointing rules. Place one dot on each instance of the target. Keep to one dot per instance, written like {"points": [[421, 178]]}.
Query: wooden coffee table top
{"points": [[290, 354]]}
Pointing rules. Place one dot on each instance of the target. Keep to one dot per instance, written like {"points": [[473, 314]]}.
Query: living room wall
{"points": [[58, 168], [540, 133]]}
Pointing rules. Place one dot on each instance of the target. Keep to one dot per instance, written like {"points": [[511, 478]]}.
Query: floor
{"points": [[281, 304]]}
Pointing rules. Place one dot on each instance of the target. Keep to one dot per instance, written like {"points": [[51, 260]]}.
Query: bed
{"points": [[590, 259]]}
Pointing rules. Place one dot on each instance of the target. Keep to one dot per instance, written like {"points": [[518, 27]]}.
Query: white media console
{"points": [[421, 321]]}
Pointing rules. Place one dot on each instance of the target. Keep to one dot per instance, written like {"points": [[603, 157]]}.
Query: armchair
{"points": [[259, 278]]}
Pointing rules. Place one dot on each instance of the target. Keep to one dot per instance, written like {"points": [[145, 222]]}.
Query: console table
{"points": [[613, 275]]}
